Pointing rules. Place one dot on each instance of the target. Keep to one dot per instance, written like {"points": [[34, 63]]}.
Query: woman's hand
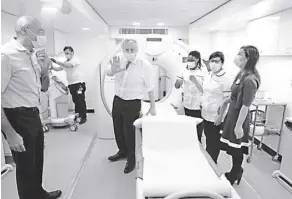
{"points": [[151, 111], [238, 131]]}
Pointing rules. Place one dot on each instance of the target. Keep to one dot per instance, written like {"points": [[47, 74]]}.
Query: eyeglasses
{"points": [[129, 50], [40, 31], [215, 61]]}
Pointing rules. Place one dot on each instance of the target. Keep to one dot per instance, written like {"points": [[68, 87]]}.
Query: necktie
{"points": [[128, 64]]}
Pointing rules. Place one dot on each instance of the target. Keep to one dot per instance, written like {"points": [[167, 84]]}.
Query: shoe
{"points": [[83, 120], [117, 157], [239, 176], [52, 195], [236, 179], [129, 168]]}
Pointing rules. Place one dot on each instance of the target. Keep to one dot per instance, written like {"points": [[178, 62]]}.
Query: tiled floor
{"points": [[77, 163]]}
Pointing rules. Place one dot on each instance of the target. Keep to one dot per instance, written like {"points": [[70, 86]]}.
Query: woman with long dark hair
{"points": [[236, 128], [192, 96]]}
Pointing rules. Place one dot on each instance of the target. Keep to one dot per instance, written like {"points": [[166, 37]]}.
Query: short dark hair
{"points": [[68, 48], [217, 54]]}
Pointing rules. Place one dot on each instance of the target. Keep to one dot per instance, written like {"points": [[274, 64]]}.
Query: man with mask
{"points": [[75, 81], [22, 79], [132, 76]]}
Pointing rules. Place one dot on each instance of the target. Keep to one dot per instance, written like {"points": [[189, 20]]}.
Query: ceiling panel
{"points": [[150, 12]]}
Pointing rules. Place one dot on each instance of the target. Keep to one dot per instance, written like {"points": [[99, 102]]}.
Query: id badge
{"points": [[79, 92]]}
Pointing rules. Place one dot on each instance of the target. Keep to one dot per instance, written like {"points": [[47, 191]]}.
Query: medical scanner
{"points": [[57, 106], [171, 162]]}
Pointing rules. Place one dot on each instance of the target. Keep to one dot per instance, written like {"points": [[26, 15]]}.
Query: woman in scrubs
{"points": [[215, 88], [236, 125], [192, 97]]}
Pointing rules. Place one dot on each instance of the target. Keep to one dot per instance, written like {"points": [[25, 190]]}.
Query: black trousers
{"points": [[197, 114], [78, 96], [212, 133], [124, 113], [29, 164]]}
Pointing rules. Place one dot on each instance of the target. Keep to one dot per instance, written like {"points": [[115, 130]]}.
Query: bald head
{"points": [[26, 22]]}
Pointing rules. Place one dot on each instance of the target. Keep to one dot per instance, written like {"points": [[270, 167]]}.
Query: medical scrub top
{"points": [[192, 96]]}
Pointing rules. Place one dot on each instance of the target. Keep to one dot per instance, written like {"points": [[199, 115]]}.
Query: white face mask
{"points": [[191, 64], [215, 67], [40, 42], [130, 56]]}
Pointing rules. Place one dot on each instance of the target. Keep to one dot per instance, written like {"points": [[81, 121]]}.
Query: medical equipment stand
{"points": [[284, 175], [5, 168], [266, 103]]}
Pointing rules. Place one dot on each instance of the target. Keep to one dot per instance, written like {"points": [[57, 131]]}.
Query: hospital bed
{"points": [[171, 163]]}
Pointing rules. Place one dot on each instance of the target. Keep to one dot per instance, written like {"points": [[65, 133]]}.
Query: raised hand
{"points": [[115, 64]]}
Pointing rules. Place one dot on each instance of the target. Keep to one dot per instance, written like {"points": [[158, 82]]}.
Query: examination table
{"points": [[171, 162]]}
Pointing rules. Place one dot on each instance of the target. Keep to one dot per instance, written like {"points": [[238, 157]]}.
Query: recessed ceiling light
{"points": [[136, 24], [85, 28], [160, 24]]}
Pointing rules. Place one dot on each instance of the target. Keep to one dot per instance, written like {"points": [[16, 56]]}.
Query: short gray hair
{"points": [[129, 41]]}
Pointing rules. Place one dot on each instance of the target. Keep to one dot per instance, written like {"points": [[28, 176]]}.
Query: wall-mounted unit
{"points": [[142, 31]]}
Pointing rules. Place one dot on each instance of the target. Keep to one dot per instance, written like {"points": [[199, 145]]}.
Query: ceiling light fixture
{"points": [[160, 24], [136, 24], [85, 28]]}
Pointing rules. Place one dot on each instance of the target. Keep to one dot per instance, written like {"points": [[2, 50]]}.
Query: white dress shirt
{"points": [[20, 77], [215, 89], [131, 83], [192, 96], [74, 74]]}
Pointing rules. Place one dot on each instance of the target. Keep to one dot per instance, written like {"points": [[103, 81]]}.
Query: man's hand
{"points": [[43, 60], [15, 142], [53, 60], [115, 64], [151, 111]]}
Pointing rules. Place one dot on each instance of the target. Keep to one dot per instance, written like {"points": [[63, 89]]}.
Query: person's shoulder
{"points": [[251, 80], [143, 62], [8, 49], [75, 60]]}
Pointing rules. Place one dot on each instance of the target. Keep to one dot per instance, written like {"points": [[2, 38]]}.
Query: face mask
{"points": [[40, 42], [238, 61], [191, 64], [215, 67], [130, 56]]}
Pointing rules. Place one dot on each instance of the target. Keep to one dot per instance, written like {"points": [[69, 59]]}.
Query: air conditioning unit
{"points": [[142, 31]]}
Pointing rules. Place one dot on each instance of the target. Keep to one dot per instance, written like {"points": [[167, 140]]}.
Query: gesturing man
{"points": [[132, 76]]}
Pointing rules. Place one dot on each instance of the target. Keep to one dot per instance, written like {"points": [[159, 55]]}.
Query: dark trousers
{"points": [[124, 113], [213, 136], [29, 164], [78, 96], [197, 114]]}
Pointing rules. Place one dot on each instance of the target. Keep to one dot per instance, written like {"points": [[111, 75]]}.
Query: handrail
{"points": [[102, 77], [180, 195]]}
